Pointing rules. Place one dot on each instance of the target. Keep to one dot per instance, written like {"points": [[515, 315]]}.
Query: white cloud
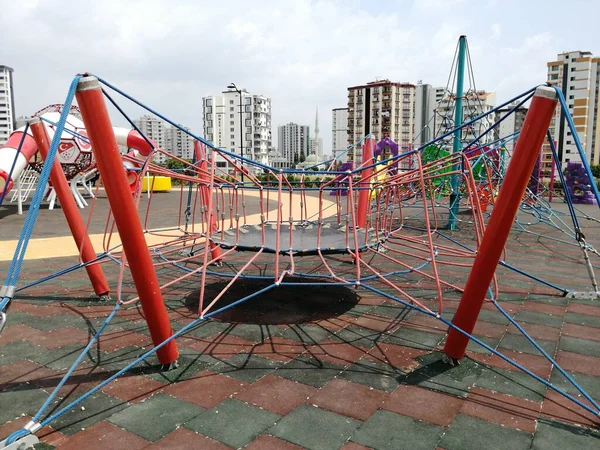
{"points": [[301, 53]]}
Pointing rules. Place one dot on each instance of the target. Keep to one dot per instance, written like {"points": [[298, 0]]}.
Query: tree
{"points": [[595, 170], [174, 164]]}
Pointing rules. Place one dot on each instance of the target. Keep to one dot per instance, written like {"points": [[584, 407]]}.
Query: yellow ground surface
{"points": [[62, 246]]}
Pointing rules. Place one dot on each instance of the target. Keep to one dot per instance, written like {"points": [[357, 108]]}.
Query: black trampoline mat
{"points": [[304, 238]]}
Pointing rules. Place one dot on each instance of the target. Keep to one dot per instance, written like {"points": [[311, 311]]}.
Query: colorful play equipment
{"points": [[383, 231], [74, 151], [156, 184], [579, 184]]}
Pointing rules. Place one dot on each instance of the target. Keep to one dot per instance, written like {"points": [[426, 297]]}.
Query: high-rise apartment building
{"points": [[339, 130], [382, 108], [510, 126], [178, 143], [293, 143], [7, 103], [154, 129], [222, 125], [577, 74], [425, 106]]}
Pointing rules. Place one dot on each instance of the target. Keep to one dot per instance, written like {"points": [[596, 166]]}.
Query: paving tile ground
{"points": [[328, 370]]}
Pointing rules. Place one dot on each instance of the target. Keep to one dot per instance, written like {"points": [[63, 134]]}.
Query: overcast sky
{"points": [[301, 53]]}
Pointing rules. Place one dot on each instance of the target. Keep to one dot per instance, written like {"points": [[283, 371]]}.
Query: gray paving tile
{"points": [[156, 416], [469, 433], [386, 430], [233, 423], [550, 434], [315, 428]]}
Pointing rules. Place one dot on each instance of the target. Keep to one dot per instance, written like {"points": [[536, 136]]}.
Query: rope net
{"points": [[378, 224]]}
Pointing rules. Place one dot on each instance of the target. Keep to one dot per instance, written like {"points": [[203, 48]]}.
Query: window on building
{"points": [[572, 69], [554, 68], [231, 102], [231, 122], [571, 97], [232, 129], [231, 108], [231, 116], [572, 78]]}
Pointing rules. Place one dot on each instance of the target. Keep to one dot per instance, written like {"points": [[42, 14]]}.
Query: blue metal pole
{"points": [[458, 118]]}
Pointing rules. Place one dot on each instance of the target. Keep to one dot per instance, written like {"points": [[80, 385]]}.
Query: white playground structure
{"points": [[27, 182]]}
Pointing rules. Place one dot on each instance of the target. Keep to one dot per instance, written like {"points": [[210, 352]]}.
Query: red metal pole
{"points": [[69, 207], [503, 215], [364, 199], [215, 250], [110, 165]]}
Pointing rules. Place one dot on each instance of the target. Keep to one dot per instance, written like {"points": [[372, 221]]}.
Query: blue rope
{"points": [[487, 347], [545, 354], [22, 432], [76, 363], [19, 255]]}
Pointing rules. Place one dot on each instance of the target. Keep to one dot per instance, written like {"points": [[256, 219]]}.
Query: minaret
{"points": [[316, 144]]}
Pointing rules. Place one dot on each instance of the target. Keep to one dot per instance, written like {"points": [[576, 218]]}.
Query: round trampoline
{"points": [[334, 238]]}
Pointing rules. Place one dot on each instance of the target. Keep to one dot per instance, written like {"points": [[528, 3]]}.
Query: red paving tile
{"points": [[276, 394], [335, 323], [537, 364], [118, 339], [280, 349], [558, 407], [579, 363], [554, 310], [511, 308], [502, 409], [45, 310], [336, 352], [353, 446], [366, 299], [376, 323], [184, 439], [396, 355], [18, 332], [59, 338], [206, 389], [588, 310], [268, 442], [104, 435], [489, 329], [133, 389], [26, 371], [221, 346], [581, 332], [425, 323], [51, 436], [537, 331], [433, 407], [349, 399]]}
